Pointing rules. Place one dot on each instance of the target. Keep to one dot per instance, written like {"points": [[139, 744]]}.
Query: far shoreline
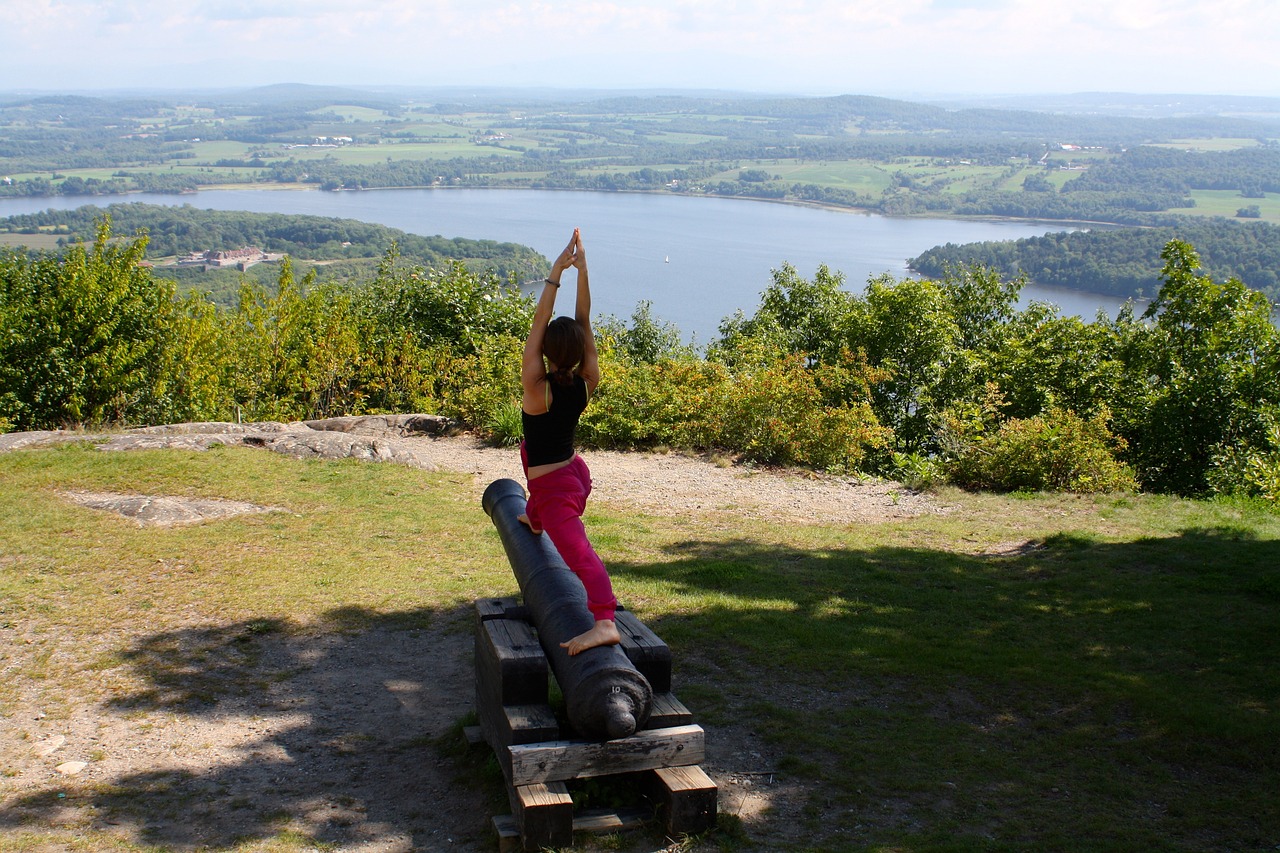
{"points": [[276, 186]]}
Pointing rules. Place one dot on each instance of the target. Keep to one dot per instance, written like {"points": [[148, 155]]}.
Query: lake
{"points": [[696, 259]]}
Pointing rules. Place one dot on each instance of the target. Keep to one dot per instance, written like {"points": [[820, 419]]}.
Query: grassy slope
{"points": [[1042, 672]]}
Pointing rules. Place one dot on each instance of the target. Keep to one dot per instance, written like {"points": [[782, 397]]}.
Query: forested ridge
{"points": [[178, 231], [919, 380], [1123, 262]]}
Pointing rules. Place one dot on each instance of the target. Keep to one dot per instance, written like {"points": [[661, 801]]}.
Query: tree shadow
{"points": [[926, 691], [331, 736], [931, 695]]}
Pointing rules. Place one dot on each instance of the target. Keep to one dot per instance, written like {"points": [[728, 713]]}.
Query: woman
{"points": [[559, 372]]}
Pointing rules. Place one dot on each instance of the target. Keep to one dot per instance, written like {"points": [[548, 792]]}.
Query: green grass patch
{"points": [[1217, 143], [1227, 202], [1018, 673], [42, 241], [351, 112]]}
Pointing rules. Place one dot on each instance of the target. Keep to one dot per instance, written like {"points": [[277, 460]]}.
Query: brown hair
{"points": [[563, 345]]}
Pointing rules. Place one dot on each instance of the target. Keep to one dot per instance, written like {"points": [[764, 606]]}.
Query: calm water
{"points": [[696, 259]]}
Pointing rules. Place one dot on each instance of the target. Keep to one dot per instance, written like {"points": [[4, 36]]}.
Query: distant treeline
{"points": [[181, 230], [1123, 262]]}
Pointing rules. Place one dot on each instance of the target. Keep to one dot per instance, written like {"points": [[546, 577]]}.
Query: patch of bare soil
{"points": [[217, 736]]}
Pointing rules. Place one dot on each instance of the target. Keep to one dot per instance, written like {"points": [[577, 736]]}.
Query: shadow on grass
{"points": [[1075, 694], [1115, 696]]}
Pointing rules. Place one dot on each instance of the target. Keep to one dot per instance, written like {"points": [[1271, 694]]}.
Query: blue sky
{"points": [[879, 47]]}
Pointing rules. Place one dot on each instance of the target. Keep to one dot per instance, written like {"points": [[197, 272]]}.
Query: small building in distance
{"points": [[240, 259]]}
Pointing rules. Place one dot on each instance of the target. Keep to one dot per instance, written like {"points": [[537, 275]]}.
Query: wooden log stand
{"points": [[539, 753]]}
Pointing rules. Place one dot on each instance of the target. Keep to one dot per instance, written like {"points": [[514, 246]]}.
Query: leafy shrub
{"points": [[1250, 470], [1059, 451], [775, 413], [87, 337], [916, 471], [506, 426], [475, 387], [644, 404]]}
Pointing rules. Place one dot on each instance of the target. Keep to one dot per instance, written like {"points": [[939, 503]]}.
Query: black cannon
{"points": [[605, 695]]}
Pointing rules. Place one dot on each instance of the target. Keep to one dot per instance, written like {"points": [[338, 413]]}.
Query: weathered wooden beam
{"points": [[646, 650], [554, 761]]}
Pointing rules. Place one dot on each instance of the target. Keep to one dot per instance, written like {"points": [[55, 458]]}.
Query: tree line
{"points": [[1123, 262], [178, 231], [920, 380]]}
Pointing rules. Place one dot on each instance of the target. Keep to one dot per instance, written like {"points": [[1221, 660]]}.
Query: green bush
{"points": [[775, 413], [476, 387], [505, 427], [1252, 470], [1059, 451], [644, 404], [87, 337]]}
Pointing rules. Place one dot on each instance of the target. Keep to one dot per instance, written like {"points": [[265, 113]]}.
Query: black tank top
{"points": [[548, 438]]}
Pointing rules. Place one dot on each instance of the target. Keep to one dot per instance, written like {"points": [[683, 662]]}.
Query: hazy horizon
{"points": [[908, 49]]}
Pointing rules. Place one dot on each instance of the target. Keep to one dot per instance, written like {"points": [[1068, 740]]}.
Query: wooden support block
{"points": [[508, 833], [530, 724], [543, 814], [511, 670], [510, 664], [646, 651], [668, 711], [508, 607], [645, 750], [688, 798]]}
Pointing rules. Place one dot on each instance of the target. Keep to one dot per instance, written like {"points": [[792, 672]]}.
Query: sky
{"points": [[894, 48]]}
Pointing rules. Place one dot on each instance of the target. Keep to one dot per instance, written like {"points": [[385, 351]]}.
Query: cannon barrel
{"points": [[605, 695]]}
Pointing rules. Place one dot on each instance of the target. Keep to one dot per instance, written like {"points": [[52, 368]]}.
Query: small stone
{"points": [[71, 768], [49, 746]]}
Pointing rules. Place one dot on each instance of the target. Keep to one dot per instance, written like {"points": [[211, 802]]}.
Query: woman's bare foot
{"points": [[605, 633], [524, 519]]}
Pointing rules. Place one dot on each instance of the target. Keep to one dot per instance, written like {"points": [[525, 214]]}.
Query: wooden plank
{"points": [[646, 650], [668, 711], [569, 759], [544, 814], [688, 797], [607, 820], [507, 607]]}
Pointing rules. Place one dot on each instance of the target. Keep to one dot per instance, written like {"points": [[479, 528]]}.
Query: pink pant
{"points": [[556, 503]]}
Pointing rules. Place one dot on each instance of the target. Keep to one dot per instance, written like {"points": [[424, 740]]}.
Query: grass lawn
{"points": [[1019, 673]]}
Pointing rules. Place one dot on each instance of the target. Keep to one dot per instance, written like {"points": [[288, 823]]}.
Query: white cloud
{"points": [[874, 46]]}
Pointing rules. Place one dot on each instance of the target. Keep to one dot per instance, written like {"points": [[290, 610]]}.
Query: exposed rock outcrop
{"points": [[373, 438]]}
